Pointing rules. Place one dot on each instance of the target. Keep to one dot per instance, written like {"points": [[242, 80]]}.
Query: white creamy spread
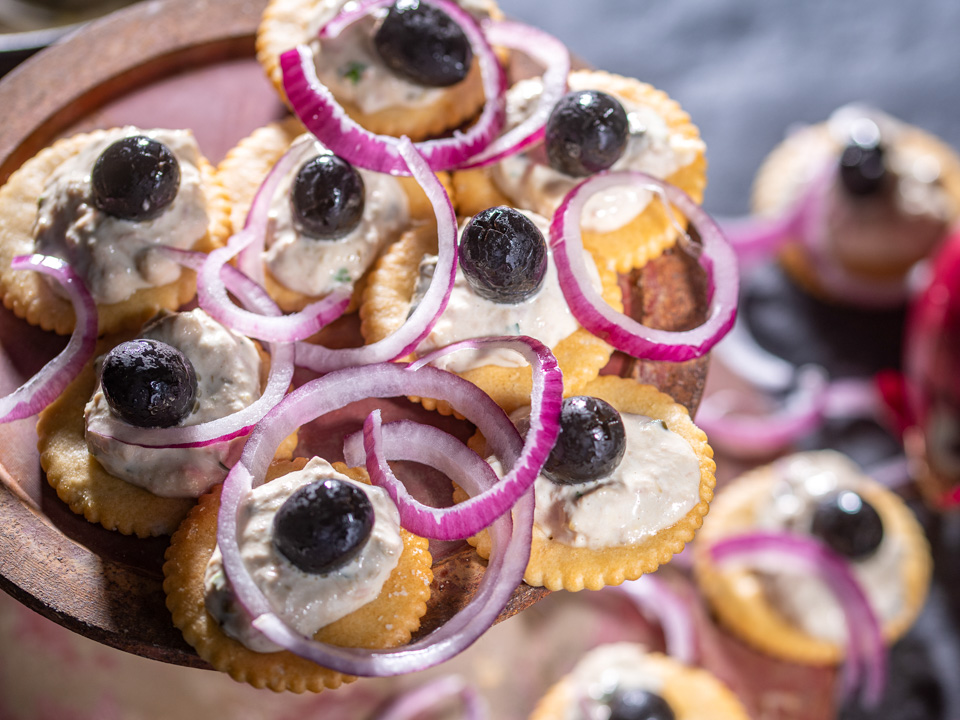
{"points": [[884, 233], [652, 147], [316, 267], [227, 367], [351, 67], [609, 669], [305, 601], [804, 599], [655, 485], [117, 257], [545, 316]]}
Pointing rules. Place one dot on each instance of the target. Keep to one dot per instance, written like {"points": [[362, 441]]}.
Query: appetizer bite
{"points": [[108, 202], [623, 681], [797, 615], [406, 68]]}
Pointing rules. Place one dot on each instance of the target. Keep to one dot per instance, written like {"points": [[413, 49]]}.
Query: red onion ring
{"points": [[510, 533], [47, 385], [425, 315], [554, 56], [466, 519], [416, 702], [322, 115], [624, 333], [777, 552], [249, 242], [231, 426], [653, 596]]}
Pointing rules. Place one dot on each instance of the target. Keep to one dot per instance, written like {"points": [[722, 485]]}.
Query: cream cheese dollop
{"points": [[117, 257], [305, 601], [652, 147], [805, 478], [227, 367], [545, 316], [655, 485], [351, 67], [316, 267]]}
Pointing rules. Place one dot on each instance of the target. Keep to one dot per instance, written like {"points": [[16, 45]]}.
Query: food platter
{"points": [[194, 68]]}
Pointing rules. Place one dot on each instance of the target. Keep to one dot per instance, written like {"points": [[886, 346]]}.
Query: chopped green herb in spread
{"points": [[342, 276], [354, 71]]}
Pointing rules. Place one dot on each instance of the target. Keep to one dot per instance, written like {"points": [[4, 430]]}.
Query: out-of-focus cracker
{"points": [[561, 567], [387, 300], [387, 621], [285, 24], [29, 296], [740, 602], [244, 168]]}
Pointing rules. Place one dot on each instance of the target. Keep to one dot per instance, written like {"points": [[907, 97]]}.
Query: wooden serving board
{"points": [[189, 63]]}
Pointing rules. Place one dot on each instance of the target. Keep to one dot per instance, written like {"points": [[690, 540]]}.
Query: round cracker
{"points": [[243, 170], [285, 24], [386, 303], [556, 566], [776, 188], [388, 621], [30, 297], [82, 482], [737, 595], [692, 694], [651, 232]]}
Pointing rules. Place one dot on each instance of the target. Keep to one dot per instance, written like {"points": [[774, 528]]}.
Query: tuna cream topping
{"points": [[305, 601], [544, 316], [227, 367], [651, 148], [352, 69], [316, 267], [117, 257], [805, 600]]}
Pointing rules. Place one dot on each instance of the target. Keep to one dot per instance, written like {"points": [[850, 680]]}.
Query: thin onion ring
{"points": [[653, 596], [49, 382], [416, 702], [621, 331]]}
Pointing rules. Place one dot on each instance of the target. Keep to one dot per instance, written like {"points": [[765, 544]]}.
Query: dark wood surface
{"points": [[187, 63]]}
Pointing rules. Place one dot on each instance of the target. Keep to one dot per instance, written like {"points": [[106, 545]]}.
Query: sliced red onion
{"points": [[554, 56], [654, 597], [740, 353], [421, 321], [230, 426], [322, 115], [414, 703], [45, 387], [782, 552], [466, 519], [623, 332], [510, 533], [212, 294], [756, 238]]}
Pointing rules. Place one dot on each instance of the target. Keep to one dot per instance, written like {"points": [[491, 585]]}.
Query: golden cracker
{"points": [[692, 694], [29, 296], [386, 303], [652, 232], [285, 24], [82, 482], [740, 602], [557, 566], [388, 621], [244, 168]]}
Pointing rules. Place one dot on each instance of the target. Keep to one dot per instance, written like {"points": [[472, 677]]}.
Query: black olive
{"points": [[591, 442], [328, 197], [848, 524], [587, 132], [323, 525], [503, 255], [638, 704], [135, 178], [148, 383], [862, 169]]}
